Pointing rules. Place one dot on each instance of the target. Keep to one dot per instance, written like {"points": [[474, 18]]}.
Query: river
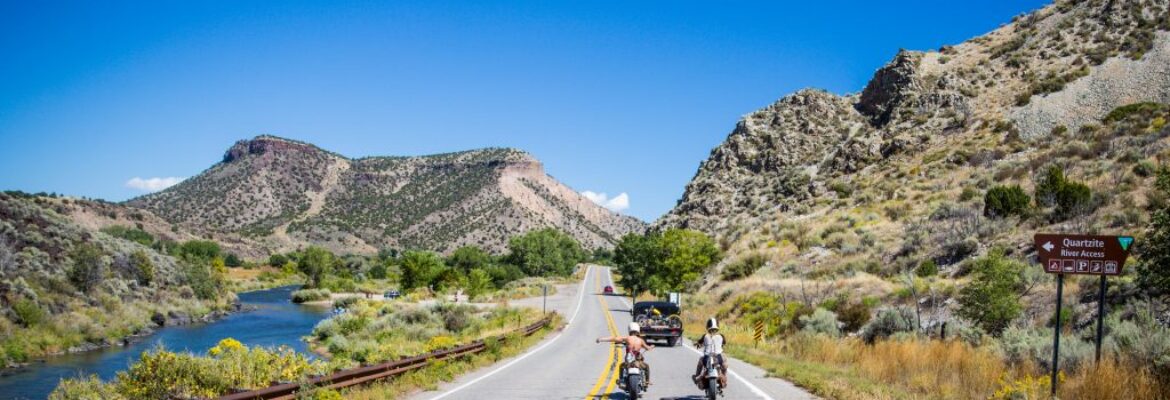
{"points": [[274, 321]]}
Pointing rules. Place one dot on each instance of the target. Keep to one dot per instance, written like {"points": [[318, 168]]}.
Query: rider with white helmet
{"points": [[634, 345], [712, 346]]}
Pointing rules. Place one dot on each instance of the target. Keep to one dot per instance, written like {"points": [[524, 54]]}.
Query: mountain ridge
{"points": [[282, 194]]}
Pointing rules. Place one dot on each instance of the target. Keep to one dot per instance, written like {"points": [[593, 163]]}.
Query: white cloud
{"points": [[618, 203], [150, 185]]}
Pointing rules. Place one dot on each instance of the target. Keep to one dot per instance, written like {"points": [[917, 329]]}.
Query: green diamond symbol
{"points": [[1125, 242]]}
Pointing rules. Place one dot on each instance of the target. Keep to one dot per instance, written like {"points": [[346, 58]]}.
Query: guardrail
{"points": [[361, 375]]}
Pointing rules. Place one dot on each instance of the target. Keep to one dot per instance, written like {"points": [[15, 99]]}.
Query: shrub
{"points": [[143, 267], [822, 322], [88, 387], [1003, 201], [378, 271], [200, 249], [1144, 169], [990, 300], [968, 194], [744, 267], [89, 267], [886, 323], [853, 315], [307, 295], [27, 312], [1048, 186], [1072, 200], [132, 234], [1154, 265], [927, 268], [277, 260]]}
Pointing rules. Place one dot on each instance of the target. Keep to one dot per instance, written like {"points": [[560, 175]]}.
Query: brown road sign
{"points": [[1083, 254]]}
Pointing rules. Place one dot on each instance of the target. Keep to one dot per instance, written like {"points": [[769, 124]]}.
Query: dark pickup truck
{"points": [[665, 325]]}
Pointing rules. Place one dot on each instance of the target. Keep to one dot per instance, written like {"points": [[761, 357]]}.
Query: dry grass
{"points": [[430, 377], [933, 369]]}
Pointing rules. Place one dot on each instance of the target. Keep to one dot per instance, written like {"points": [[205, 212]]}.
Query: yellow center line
{"points": [[614, 372], [610, 363]]}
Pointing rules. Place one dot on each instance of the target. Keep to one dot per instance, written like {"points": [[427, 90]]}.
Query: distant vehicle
{"points": [[392, 294], [660, 320], [608, 289]]}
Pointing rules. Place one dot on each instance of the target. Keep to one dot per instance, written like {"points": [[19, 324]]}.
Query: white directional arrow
{"points": [[1048, 246]]}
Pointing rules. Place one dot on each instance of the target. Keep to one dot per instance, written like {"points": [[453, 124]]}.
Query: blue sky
{"points": [[613, 97]]}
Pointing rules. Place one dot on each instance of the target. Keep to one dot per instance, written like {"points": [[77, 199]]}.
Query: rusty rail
{"points": [[361, 375]]}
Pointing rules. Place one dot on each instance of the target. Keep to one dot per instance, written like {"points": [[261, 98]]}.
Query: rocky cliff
{"points": [[1059, 68]]}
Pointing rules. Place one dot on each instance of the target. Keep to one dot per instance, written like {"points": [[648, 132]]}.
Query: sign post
{"points": [[544, 305], [759, 332], [1080, 255]]}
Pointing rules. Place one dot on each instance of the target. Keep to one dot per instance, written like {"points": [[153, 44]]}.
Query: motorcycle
{"points": [[630, 378], [710, 378]]}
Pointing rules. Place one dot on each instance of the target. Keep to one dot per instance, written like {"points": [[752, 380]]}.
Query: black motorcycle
{"points": [[631, 379]]}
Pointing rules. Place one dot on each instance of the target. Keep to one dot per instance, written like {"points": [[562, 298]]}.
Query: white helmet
{"points": [[712, 324], [635, 328]]}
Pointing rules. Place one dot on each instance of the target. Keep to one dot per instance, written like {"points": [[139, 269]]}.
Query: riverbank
{"points": [[267, 319]]}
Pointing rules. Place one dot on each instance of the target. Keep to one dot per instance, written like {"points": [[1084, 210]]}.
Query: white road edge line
{"points": [[580, 296], [757, 391]]}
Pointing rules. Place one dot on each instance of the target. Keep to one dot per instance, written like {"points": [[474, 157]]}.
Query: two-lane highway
{"points": [[570, 365]]}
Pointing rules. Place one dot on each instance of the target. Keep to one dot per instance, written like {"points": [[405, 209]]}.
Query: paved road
{"points": [[569, 365]]}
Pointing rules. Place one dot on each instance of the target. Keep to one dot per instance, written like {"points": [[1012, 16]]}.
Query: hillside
{"points": [[279, 194], [931, 126], [66, 285], [850, 219]]}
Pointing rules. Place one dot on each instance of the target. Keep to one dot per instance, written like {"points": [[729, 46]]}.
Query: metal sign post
{"points": [[1056, 332], [1080, 255]]}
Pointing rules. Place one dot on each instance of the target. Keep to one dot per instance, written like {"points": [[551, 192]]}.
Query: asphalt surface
{"points": [[570, 365]]}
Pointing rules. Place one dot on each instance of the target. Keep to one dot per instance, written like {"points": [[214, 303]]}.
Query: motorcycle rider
{"points": [[712, 346], [634, 344]]}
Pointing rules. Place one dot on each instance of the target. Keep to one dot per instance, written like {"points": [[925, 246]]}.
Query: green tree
{"points": [[1154, 261], [277, 260], [232, 260], [419, 268], [1073, 199], [89, 267], [638, 258], [467, 258], [378, 271], [201, 249], [545, 252], [316, 263], [689, 254], [1003, 201], [478, 282], [1048, 186], [991, 299], [143, 267]]}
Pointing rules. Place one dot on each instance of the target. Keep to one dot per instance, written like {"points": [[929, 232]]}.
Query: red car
{"points": [[608, 290]]}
